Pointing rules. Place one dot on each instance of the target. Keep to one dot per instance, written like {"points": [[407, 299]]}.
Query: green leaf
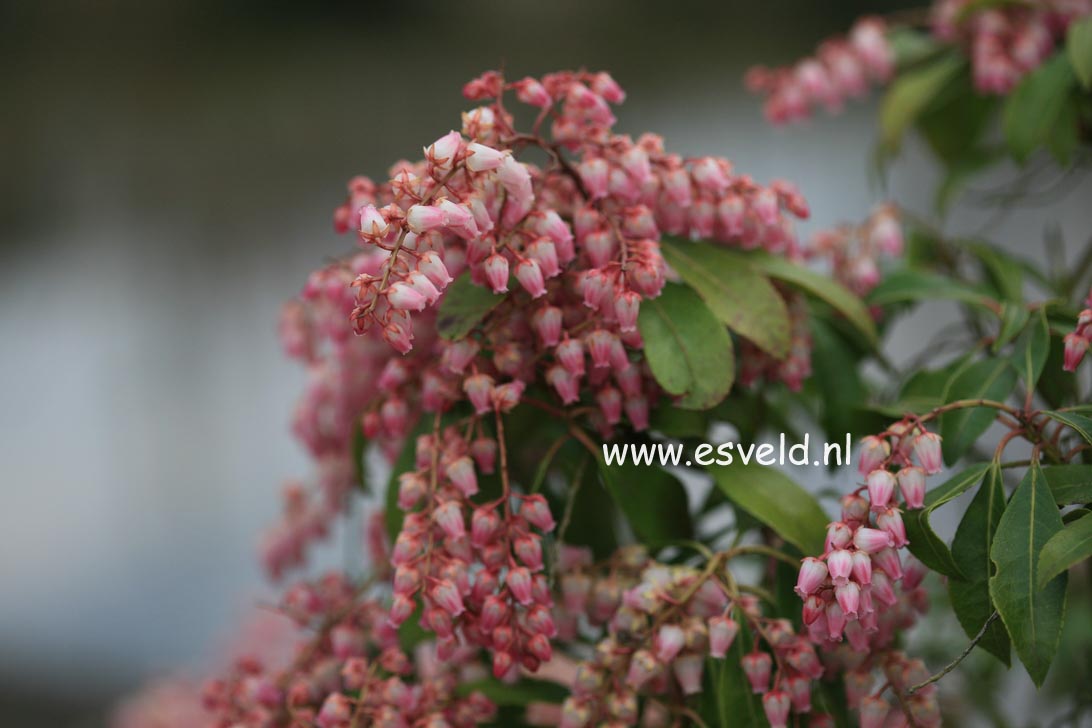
{"points": [[836, 375], [594, 515], [971, 552], [1079, 423], [653, 501], [734, 291], [1070, 546], [1032, 614], [1034, 108], [911, 46], [822, 287], [463, 306], [986, 379], [924, 542], [773, 498], [687, 348], [910, 95], [908, 284], [1069, 484], [1004, 271], [1078, 48], [1030, 354], [1014, 316], [520, 693], [679, 423]]}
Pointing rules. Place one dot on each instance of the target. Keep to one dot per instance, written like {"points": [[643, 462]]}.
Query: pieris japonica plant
{"points": [[537, 285]]}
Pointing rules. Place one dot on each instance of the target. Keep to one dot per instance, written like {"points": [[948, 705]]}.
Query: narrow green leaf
{"points": [[360, 470], [822, 287], [1069, 484], [1070, 546], [836, 375], [463, 306], [924, 542], [1004, 271], [1032, 614], [653, 501], [1030, 354], [908, 284], [1014, 317], [687, 348], [1033, 109], [728, 701], [986, 379], [1078, 423], [910, 95], [971, 552], [1078, 48], [773, 498], [737, 294]]}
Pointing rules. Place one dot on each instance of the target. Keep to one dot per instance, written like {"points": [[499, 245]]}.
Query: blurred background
{"points": [[168, 175]]}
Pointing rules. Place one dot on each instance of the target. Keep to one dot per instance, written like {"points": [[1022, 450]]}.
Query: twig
{"points": [[963, 655]]}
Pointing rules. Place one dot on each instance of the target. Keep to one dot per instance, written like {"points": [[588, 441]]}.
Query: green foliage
{"points": [[1078, 48], [738, 295], [924, 542], [1068, 547], [727, 700], [991, 379], [653, 500], [971, 553], [911, 94], [1035, 113], [687, 348], [463, 306], [774, 499], [1032, 612]]}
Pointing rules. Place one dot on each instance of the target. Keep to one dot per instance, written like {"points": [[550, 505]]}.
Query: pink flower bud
{"points": [[484, 525], [404, 297], [709, 175], [529, 275], [461, 474], [566, 384], [626, 308], [519, 581], [537, 513], [481, 158], [432, 266], [401, 609], [839, 536], [411, 488], [608, 88], [881, 486], [813, 573], [813, 608], [912, 484], [688, 670], [854, 509], [458, 354], [882, 589], [484, 452], [874, 452], [528, 549], [756, 665], [642, 668], [887, 559], [891, 522], [871, 540], [459, 220], [836, 621], [799, 689], [496, 273], [570, 353], [530, 91], [422, 218], [544, 252], [849, 597], [776, 703], [637, 411], [610, 404], [840, 565], [447, 598], [668, 642], [449, 517], [594, 175], [1075, 348], [722, 633], [862, 568], [927, 451], [502, 664], [479, 388], [508, 395], [373, 226], [336, 711], [494, 613], [913, 572]]}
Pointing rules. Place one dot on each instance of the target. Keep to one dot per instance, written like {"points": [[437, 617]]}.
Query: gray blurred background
{"points": [[167, 175]]}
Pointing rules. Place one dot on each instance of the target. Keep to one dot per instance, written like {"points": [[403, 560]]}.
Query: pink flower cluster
{"points": [[352, 673], [663, 623], [842, 68], [476, 569], [854, 252], [1005, 41], [1078, 341], [756, 365], [860, 589], [579, 236]]}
